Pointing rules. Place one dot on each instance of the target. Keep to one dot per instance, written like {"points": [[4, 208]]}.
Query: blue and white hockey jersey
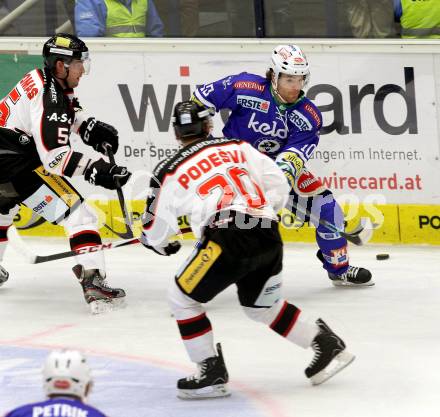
{"points": [[258, 118], [56, 407]]}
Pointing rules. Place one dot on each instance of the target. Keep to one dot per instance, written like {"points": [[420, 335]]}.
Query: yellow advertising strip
{"points": [[386, 216], [59, 186], [199, 266], [408, 224], [419, 224]]}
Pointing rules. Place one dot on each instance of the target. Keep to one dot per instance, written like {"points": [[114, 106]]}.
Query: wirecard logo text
{"points": [[334, 111]]}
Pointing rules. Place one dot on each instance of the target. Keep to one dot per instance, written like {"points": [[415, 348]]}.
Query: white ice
{"points": [[393, 329]]}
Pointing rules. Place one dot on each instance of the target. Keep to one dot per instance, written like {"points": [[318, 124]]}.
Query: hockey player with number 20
{"points": [[274, 116], [231, 192], [36, 120]]}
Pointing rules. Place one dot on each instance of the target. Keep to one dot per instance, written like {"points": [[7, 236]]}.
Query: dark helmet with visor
{"points": [[188, 119], [65, 47]]}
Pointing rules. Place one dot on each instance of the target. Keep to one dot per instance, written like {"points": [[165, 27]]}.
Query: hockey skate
{"points": [[4, 275], [210, 381], [330, 355], [98, 295], [352, 277]]}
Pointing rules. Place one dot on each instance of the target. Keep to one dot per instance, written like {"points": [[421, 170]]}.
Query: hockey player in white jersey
{"points": [[36, 120], [231, 193]]}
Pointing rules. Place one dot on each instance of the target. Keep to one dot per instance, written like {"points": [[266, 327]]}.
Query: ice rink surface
{"points": [[393, 329]]}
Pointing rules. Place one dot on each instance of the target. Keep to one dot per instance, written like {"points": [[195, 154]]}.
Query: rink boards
{"points": [[380, 142]]}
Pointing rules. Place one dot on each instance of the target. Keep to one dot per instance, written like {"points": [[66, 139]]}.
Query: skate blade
{"points": [[213, 391], [340, 283], [101, 306], [338, 363]]}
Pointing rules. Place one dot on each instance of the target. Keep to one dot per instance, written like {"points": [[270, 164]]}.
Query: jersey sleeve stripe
{"points": [[71, 163], [40, 75], [203, 100], [41, 131], [66, 160]]}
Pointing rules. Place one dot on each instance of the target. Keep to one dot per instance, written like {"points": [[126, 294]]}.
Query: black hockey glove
{"points": [[106, 175], [95, 133], [170, 249]]}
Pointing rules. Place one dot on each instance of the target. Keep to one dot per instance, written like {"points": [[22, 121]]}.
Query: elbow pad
{"points": [[307, 185], [303, 182], [56, 159]]}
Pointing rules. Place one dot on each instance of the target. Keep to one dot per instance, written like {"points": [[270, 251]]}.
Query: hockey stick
{"points": [[129, 233], [23, 249], [360, 235]]}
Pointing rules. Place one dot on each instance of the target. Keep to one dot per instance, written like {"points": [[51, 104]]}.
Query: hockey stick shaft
{"points": [[357, 237], [121, 198], [38, 259], [32, 258]]}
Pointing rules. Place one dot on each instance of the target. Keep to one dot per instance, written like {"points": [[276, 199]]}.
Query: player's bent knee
{"points": [[7, 219], [262, 295], [181, 305], [84, 217], [266, 303], [264, 315]]}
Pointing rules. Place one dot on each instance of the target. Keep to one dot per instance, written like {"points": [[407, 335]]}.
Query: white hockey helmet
{"points": [[66, 373], [290, 60]]}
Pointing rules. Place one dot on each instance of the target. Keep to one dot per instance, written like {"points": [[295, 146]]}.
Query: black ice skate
{"points": [[4, 275], [97, 293], [210, 381], [330, 355], [353, 277]]}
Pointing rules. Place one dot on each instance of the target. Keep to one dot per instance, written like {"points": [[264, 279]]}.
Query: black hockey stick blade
{"points": [[362, 233], [123, 235]]}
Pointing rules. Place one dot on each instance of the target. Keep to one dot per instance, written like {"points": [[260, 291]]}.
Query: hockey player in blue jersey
{"points": [[273, 114], [67, 382]]}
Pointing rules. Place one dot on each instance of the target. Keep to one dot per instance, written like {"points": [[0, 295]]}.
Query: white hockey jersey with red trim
{"points": [[39, 107], [206, 177]]}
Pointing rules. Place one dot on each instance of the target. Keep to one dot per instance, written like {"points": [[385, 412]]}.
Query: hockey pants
{"points": [[78, 219], [250, 259]]}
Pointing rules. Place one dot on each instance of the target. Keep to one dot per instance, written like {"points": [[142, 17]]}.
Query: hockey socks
{"points": [[196, 333], [292, 324]]}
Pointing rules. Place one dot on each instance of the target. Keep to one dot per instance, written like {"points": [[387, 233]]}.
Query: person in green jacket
{"points": [[117, 18], [418, 18]]}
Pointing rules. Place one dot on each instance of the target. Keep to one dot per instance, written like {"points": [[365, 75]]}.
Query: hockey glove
{"points": [[106, 175], [95, 133], [170, 249]]}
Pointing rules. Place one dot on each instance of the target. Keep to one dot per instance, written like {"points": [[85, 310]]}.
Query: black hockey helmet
{"points": [[64, 47], [188, 119]]}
